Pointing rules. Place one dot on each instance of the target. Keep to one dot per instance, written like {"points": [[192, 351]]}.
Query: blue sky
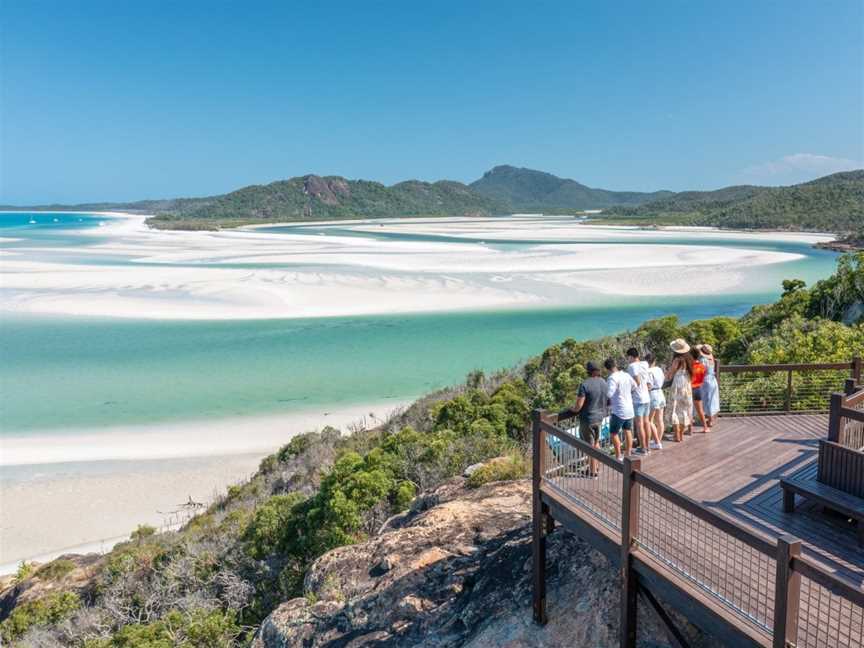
{"points": [[127, 100]]}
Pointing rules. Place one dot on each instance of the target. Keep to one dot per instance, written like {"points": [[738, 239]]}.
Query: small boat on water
{"points": [[32, 221], [56, 220]]}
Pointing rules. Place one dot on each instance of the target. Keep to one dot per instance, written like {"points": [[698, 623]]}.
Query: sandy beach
{"points": [[80, 508], [248, 434], [251, 274], [97, 486]]}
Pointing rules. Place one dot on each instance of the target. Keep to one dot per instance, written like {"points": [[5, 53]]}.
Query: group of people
{"points": [[636, 402]]}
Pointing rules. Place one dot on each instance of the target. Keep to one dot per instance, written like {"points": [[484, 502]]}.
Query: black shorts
{"points": [[697, 393], [589, 432], [616, 424]]}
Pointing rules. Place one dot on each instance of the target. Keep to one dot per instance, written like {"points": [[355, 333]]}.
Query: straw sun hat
{"points": [[707, 349], [679, 346]]}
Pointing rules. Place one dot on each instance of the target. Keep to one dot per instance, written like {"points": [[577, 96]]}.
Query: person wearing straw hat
{"points": [[680, 409]]}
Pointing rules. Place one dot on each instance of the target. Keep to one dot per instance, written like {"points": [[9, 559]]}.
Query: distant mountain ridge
{"points": [[833, 203], [527, 189]]}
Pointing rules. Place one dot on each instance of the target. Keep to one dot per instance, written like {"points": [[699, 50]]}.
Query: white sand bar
{"points": [[133, 271]]}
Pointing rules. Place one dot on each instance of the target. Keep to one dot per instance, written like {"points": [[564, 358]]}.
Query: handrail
{"points": [[784, 367], [855, 415], [799, 388], [834, 583], [748, 537], [587, 448]]}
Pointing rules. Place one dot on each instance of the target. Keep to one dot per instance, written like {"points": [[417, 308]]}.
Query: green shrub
{"points": [[56, 569], [24, 571], [44, 611], [196, 629], [514, 466], [265, 532], [268, 464], [143, 532]]}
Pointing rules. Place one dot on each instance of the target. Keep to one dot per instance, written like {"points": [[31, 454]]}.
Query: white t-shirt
{"points": [[619, 387], [657, 378], [640, 370]]}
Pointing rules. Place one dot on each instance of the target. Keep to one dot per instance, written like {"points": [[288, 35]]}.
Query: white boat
{"points": [[32, 221], [56, 220]]}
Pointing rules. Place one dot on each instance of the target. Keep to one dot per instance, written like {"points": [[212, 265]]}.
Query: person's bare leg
{"points": [[629, 442], [639, 423], [706, 427], [595, 466], [656, 423], [616, 442]]}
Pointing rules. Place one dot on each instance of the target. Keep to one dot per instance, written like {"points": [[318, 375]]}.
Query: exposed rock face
{"points": [[458, 574], [326, 190]]}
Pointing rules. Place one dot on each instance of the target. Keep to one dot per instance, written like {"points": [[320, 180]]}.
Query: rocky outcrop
{"points": [[77, 576], [457, 572]]}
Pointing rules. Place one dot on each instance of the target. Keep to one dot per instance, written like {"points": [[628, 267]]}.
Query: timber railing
{"points": [[752, 590], [782, 388]]}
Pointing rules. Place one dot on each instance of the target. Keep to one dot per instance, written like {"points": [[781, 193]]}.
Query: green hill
{"points": [[314, 197], [529, 190], [834, 203]]}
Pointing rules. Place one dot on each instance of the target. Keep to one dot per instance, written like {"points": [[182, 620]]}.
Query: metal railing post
{"points": [[787, 593], [539, 522], [629, 531]]}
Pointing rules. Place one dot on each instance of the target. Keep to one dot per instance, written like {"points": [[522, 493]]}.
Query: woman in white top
{"points": [[656, 378]]}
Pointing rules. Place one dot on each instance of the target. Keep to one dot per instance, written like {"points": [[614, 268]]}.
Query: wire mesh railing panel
{"points": [[734, 574], [592, 485], [777, 391], [826, 619]]}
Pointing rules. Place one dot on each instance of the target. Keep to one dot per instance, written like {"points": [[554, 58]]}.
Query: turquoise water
{"points": [[64, 374]]}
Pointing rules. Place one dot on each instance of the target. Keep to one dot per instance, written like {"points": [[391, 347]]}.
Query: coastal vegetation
{"points": [[834, 203], [212, 582], [329, 198]]}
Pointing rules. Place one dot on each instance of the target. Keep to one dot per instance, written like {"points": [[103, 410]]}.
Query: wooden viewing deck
{"points": [[704, 528]]}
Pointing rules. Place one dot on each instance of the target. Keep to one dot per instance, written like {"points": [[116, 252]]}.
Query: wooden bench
{"points": [[807, 486]]}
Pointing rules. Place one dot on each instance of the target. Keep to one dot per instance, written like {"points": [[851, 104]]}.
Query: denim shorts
{"points": [[658, 400], [616, 424], [641, 409]]}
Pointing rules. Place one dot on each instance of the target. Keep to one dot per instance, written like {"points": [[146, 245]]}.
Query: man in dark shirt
{"points": [[591, 407]]}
